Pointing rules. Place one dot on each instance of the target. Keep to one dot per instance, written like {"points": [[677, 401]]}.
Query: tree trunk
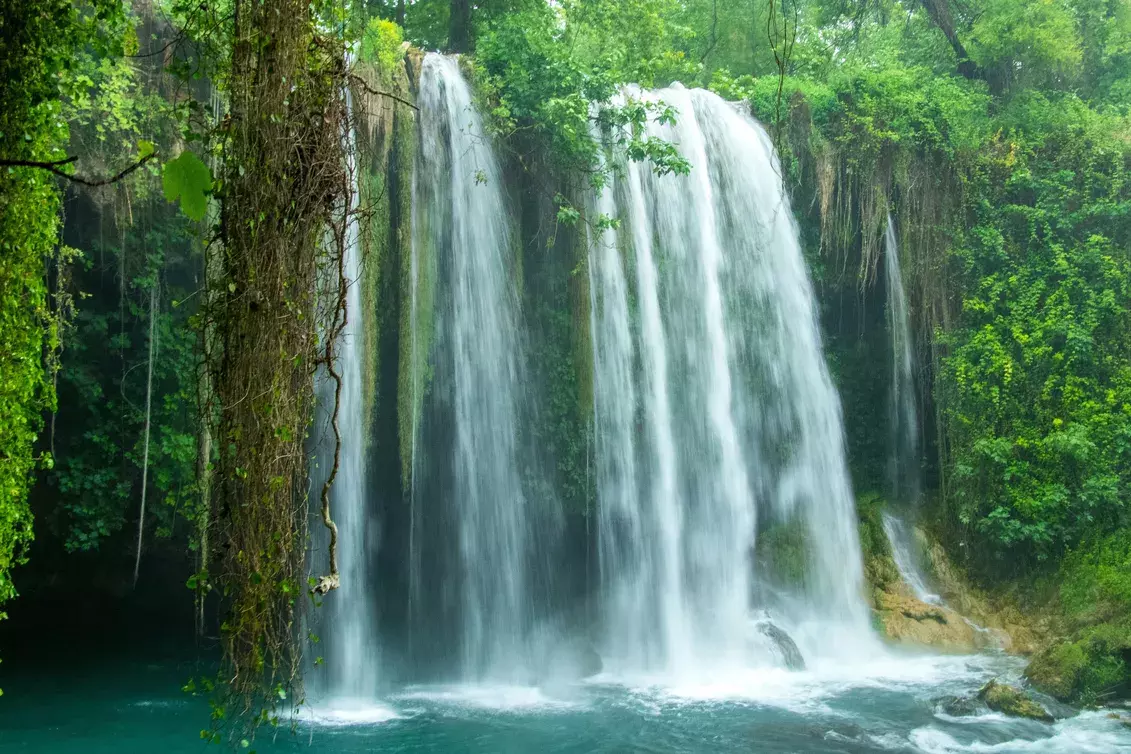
{"points": [[284, 180], [148, 416], [939, 11], [400, 13], [459, 29]]}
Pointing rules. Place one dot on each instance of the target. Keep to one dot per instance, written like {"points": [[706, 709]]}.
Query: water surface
{"points": [[885, 707]]}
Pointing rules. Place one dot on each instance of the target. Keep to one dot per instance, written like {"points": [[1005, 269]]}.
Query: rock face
{"points": [[905, 619], [1011, 701], [590, 662]]}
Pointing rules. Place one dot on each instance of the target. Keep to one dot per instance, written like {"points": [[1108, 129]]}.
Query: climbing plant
{"points": [[283, 194], [38, 42]]}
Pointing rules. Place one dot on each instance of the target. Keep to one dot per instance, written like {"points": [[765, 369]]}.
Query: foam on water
{"points": [[922, 675], [1086, 733], [500, 698], [346, 712]]}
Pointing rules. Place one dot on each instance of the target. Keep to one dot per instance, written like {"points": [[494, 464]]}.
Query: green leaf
{"points": [[188, 179], [145, 148]]}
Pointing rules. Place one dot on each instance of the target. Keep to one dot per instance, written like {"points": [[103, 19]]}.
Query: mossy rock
{"points": [[1087, 670], [1056, 670], [958, 706], [1011, 701], [880, 570], [903, 619]]}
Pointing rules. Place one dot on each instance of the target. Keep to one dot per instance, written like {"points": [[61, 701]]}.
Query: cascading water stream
{"points": [[350, 625], [905, 554], [715, 410], [478, 372], [904, 415]]}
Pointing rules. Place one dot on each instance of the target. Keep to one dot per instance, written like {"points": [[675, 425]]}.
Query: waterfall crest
{"points": [[715, 411]]}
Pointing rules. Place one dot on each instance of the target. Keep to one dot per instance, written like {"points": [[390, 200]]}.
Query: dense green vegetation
{"points": [[997, 134]]}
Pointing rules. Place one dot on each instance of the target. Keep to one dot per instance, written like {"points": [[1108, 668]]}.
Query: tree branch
{"points": [[370, 90], [714, 31], [54, 167], [939, 11]]}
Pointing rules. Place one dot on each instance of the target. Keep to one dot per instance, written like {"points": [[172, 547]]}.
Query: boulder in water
{"points": [[784, 643], [1012, 701], [958, 706]]}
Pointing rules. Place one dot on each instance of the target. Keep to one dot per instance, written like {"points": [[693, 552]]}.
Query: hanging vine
{"points": [[284, 196]]}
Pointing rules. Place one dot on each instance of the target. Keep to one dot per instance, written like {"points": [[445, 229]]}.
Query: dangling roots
{"points": [[284, 193]]}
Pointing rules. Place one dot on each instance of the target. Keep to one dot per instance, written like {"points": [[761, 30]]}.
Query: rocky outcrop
{"points": [[784, 643], [1012, 701], [903, 618], [958, 706], [965, 621], [1015, 631]]}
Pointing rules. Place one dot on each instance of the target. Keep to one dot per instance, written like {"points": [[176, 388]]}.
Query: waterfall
{"points": [[904, 419], [477, 378], [640, 561], [905, 554], [715, 412], [350, 624]]}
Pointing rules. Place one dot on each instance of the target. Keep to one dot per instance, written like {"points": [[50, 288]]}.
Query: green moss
{"points": [[393, 310], [580, 305], [1056, 670], [1090, 664], [879, 569], [417, 313], [1010, 701], [783, 552]]}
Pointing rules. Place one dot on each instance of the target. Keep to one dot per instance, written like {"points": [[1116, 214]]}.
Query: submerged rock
{"points": [[784, 643], [1012, 701]]}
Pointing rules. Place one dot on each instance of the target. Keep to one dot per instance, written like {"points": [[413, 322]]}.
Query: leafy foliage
{"points": [[38, 42], [102, 386], [188, 179], [381, 44], [1039, 386]]}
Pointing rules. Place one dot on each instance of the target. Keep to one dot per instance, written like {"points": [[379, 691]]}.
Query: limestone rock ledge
{"points": [[904, 619]]}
